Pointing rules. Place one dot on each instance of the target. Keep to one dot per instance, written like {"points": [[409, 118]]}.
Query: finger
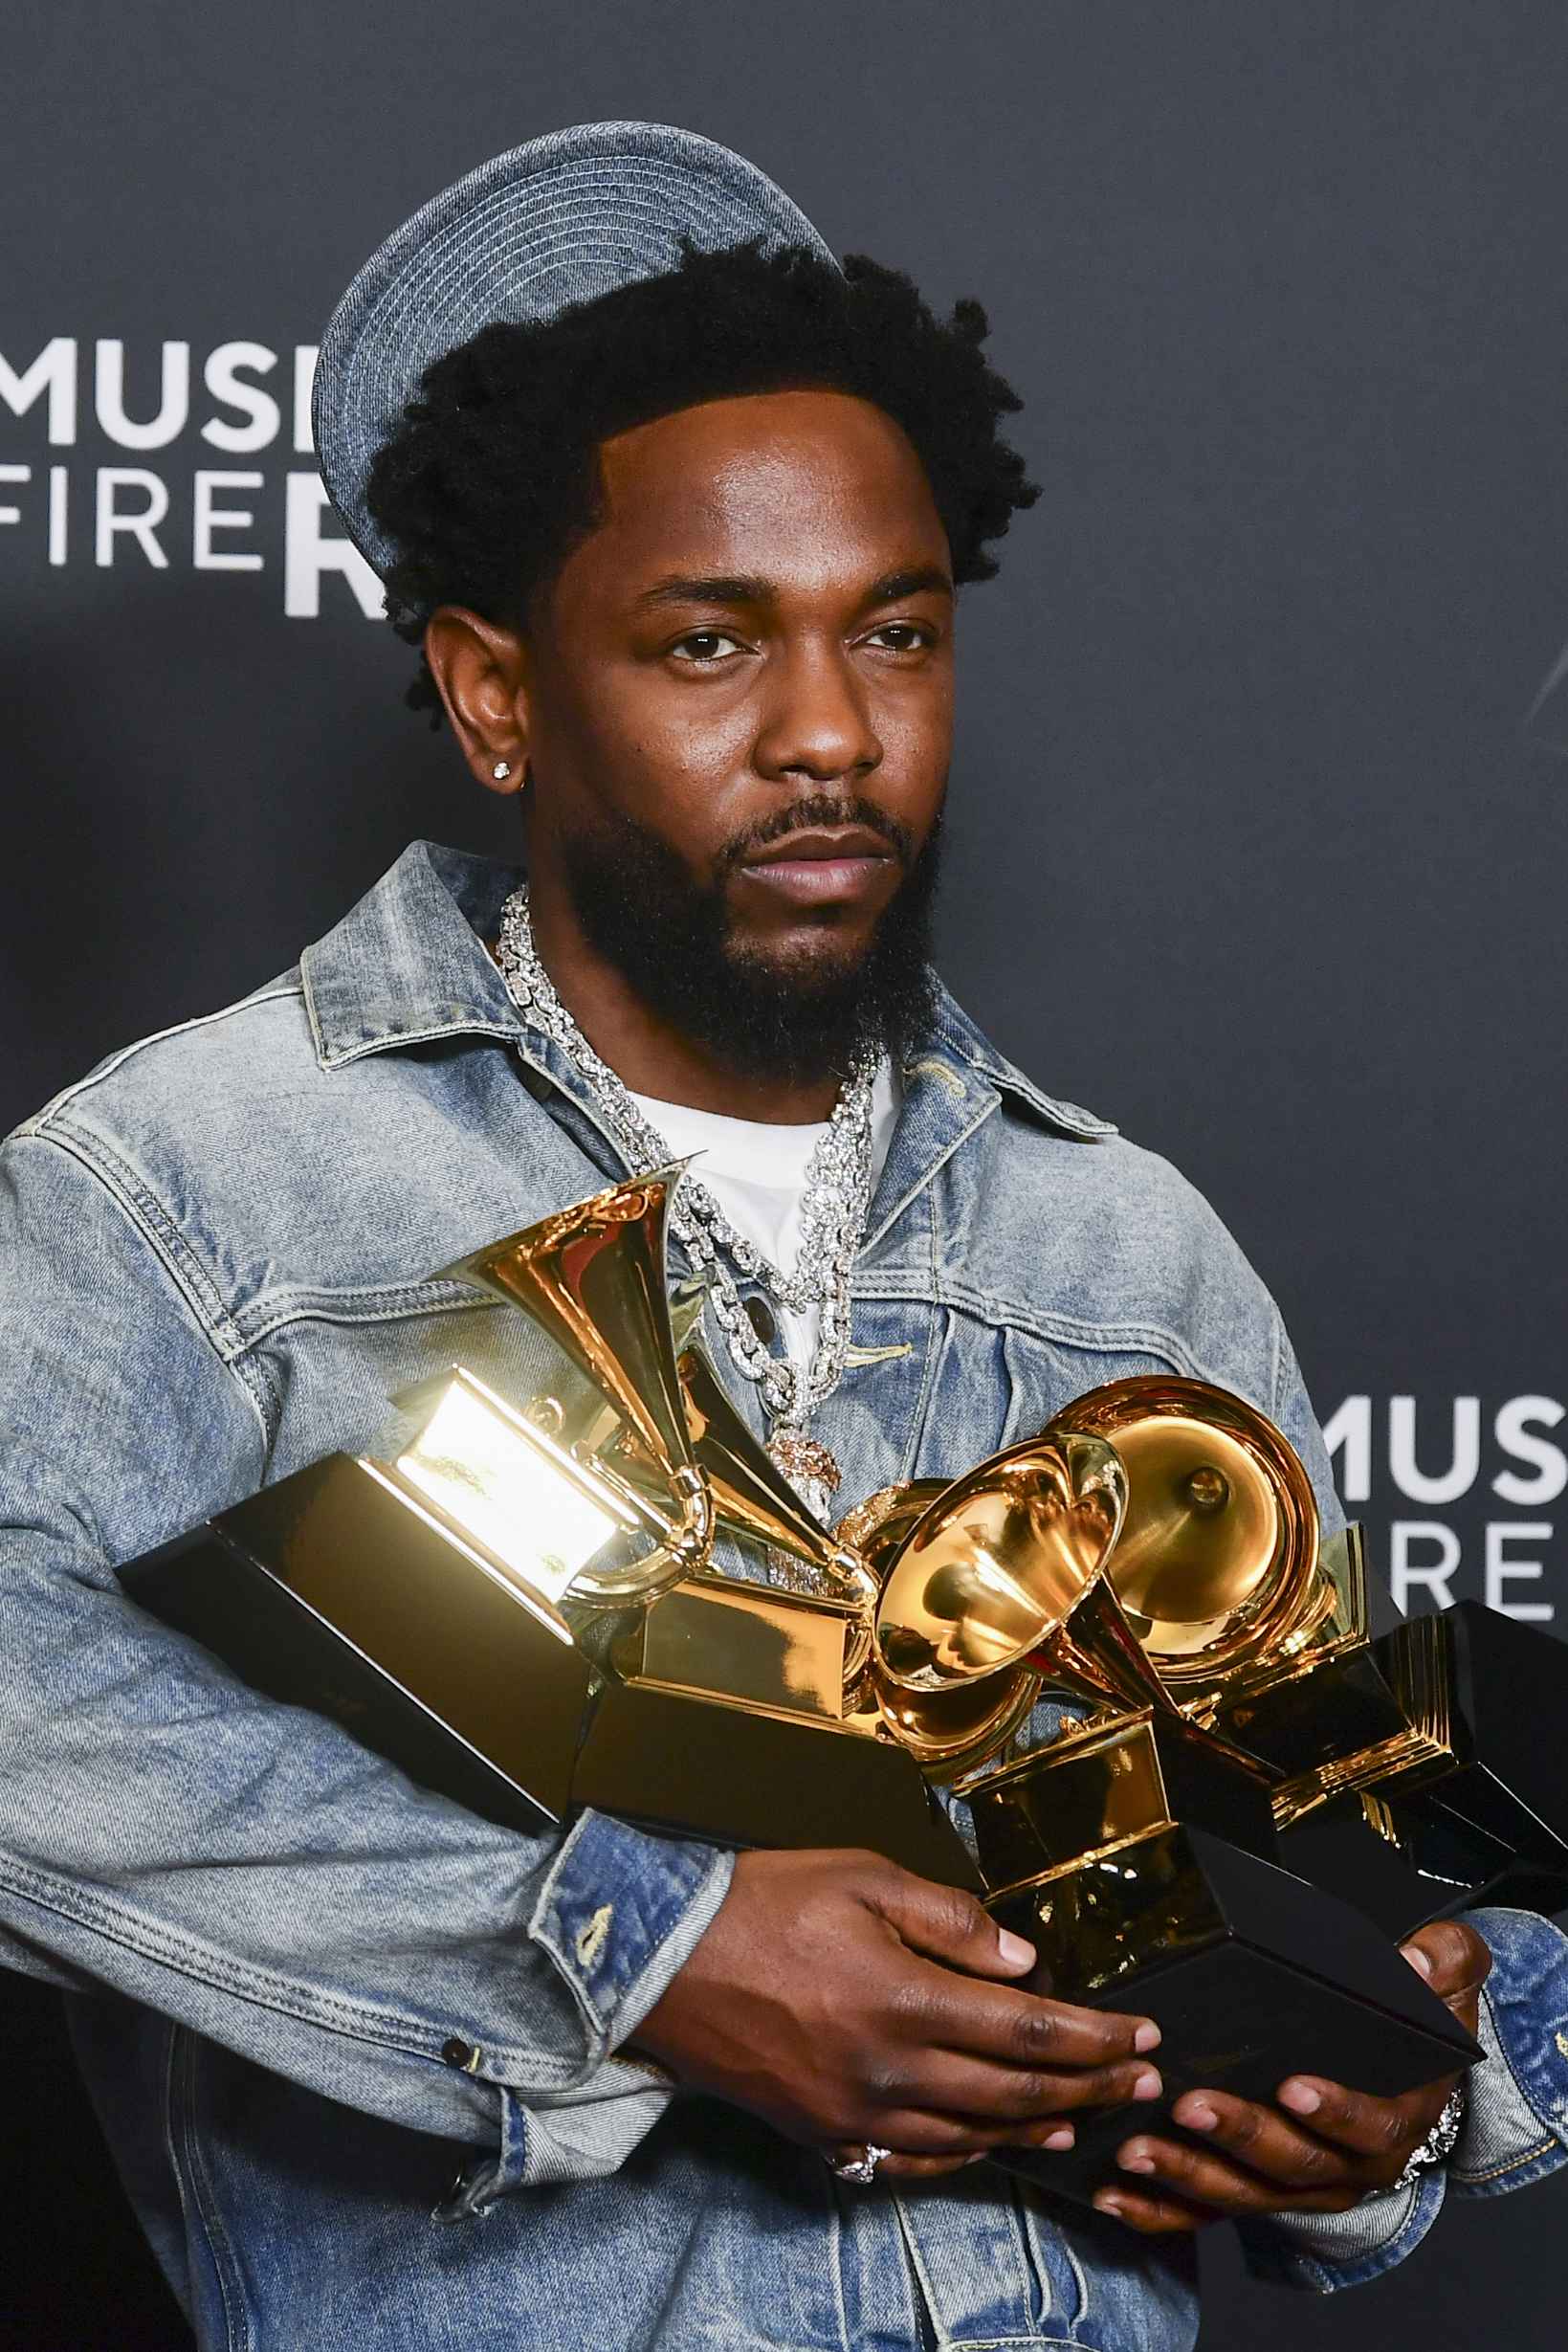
{"points": [[925, 2167], [951, 2141], [927, 2131], [1364, 2128], [1455, 1962], [981, 2093], [1141, 2209], [947, 1924], [1021, 2029], [904, 2168], [1162, 2168], [1326, 2134]]}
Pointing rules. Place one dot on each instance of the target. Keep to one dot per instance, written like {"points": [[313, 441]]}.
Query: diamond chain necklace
{"points": [[833, 1205]]}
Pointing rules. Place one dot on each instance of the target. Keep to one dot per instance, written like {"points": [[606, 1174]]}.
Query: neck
{"points": [[648, 1055]]}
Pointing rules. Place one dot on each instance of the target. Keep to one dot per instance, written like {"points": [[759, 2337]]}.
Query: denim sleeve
{"points": [[246, 1868], [1515, 2130]]}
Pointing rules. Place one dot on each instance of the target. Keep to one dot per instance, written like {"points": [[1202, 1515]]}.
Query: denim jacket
{"points": [[355, 2049]]}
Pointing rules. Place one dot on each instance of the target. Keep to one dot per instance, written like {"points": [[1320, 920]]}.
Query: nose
{"points": [[818, 725]]}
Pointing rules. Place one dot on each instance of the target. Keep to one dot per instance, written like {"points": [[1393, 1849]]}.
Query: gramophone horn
{"points": [[948, 1731], [594, 1276], [1004, 1567], [1216, 1561]]}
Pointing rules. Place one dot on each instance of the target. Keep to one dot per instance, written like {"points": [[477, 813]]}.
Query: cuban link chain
{"points": [[833, 1205]]}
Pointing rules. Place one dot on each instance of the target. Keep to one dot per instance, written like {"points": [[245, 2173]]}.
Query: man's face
{"points": [[749, 663]]}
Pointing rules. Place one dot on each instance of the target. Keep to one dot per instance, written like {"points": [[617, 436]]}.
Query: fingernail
{"points": [[1147, 2037], [1136, 2164], [1417, 1958], [1106, 2201], [1300, 2097], [1196, 2114], [1148, 2084], [1061, 2139], [1014, 1950], [978, 2157]]}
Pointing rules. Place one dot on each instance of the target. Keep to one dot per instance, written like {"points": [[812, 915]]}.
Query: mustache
{"points": [[817, 808]]}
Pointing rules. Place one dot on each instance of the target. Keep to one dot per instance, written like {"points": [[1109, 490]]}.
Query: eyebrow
{"points": [[922, 580], [681, 589], [684, 590]]}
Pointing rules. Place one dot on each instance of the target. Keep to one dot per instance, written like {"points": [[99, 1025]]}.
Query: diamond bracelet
{"points": [[1440, 2142]]}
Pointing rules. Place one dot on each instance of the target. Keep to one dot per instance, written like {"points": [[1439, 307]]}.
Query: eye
{"points": [[903, 637], [706, 645]]}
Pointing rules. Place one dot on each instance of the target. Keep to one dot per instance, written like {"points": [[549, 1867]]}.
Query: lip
{"points": [[822, 867]]}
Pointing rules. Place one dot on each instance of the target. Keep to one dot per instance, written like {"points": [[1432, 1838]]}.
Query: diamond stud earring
{"points": [[501, 771]]}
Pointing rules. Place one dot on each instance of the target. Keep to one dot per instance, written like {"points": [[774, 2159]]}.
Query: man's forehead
{"points": [[734, 489]]}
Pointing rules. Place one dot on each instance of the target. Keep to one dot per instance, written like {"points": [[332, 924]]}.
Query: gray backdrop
{"points": [[1251, 849]]}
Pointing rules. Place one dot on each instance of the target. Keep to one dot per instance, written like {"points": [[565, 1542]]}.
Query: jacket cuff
{"points": [[620, 1912], [1516, 2129], [1324, 2252]]}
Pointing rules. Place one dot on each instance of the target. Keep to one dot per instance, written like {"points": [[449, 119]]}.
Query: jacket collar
{"points": [[955, 1039], [952, 1085], [408, 964]]}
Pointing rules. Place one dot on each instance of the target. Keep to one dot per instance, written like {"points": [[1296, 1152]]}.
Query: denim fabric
{"points": [[557, 222], [1518, 2133], [211, 1271]]}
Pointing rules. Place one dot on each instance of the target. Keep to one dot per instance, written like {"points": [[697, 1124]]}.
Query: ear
{"points": [[482, 672]]}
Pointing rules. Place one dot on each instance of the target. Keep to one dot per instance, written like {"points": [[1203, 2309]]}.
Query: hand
{"points": [[849, 2003], [1328, 2150]]}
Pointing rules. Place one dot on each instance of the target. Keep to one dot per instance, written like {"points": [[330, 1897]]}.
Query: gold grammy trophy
{"points": [[520, 1607], [1412, 1776]]}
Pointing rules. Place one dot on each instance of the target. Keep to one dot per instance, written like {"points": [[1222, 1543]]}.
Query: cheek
{"points": [[678, 765], [913, 726], [651, 744]]}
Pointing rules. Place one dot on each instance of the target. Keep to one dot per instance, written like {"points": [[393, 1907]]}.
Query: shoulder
{"points": [[310, 1062], [338, 1130], [208, 1103], [1107, 1233], [174, 1069]]}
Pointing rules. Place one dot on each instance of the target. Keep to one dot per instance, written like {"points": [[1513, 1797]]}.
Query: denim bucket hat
{"points": [[554, 223]]}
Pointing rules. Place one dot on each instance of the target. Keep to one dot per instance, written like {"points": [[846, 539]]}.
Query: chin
{"points": [[805, 961]]}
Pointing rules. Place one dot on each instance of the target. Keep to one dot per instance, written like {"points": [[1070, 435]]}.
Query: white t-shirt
{"points": [[757, 1174]]}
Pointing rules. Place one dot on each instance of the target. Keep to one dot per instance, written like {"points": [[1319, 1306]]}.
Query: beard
{"points": [[802, 1016]]}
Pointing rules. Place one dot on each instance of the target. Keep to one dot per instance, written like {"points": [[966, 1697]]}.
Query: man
{"points": [[676, 509]]}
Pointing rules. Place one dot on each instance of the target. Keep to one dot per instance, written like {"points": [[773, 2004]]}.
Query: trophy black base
{"points": [[1337, 1849], [674, 1761], [328, 1592], [1250, 1974], [1439, 1865], [1472, 1865], [1499, 1818]]}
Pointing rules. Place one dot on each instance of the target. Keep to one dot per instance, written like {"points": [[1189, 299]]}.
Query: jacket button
{"points": [[458, 2054], [760, 1316]]}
